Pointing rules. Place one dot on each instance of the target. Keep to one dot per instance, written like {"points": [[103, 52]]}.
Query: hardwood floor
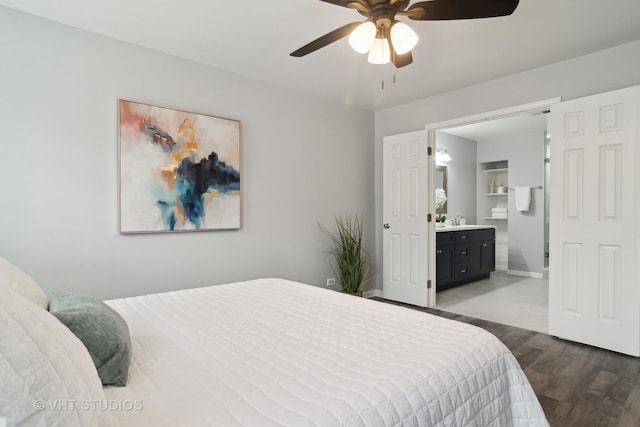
{"points": [[576, 384]]}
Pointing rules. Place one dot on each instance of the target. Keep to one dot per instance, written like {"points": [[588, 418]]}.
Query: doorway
{"points": [[593, 277], [488, 156]]}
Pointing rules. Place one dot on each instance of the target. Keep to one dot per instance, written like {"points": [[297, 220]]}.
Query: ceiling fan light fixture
{"points": [[379, 52], [403, 37], [361, 38], [391, 34]]}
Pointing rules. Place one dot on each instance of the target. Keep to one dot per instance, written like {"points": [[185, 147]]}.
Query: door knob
{"points": [[386, 226]]}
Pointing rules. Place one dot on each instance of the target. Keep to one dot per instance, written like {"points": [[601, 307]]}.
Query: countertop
{"points": [[462, 227]]}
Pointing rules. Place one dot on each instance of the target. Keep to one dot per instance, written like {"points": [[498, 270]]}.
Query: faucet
{"points": [[456, 220]]}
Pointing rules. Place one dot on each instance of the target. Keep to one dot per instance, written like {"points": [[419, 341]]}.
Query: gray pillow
{"points": [[101, 329]]}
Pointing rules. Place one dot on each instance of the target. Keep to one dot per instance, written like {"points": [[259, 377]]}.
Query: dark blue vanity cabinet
{"points": [[463, 256]]}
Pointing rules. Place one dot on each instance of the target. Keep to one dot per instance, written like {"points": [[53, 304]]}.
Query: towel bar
{"points": [[539, 187]]}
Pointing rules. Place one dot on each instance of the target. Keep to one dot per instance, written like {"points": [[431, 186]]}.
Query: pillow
{"points": [[17, 280], [45, 371], [101, 329]]}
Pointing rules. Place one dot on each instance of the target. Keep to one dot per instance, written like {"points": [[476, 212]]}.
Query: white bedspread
{"points": [[274, 352]]}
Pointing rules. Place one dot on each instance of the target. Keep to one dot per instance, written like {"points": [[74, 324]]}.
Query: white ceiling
{"points": [[254, 38], [493, 129]]}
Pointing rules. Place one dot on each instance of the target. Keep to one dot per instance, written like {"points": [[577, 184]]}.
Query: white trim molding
{"points": [[495, 114], [525, 274], [372, 294]]}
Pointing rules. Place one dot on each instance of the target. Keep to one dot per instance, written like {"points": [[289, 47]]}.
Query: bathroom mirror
{"points": [[441, 182]]}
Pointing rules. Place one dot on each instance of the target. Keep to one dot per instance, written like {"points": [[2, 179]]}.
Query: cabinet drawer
{"points": [[461, 252], [444, 238], [474, 235], [462, 236], [488, 234], [461, 271]]}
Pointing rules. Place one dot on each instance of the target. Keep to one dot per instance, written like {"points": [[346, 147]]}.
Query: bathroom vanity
{"points": [[464, 254]]}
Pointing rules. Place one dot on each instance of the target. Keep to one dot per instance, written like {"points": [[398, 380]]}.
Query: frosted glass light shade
{"points": [[443, 156], [403, 37], [361, 38], [379, 52]]}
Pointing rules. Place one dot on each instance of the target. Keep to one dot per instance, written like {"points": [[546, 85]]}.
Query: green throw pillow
{"points": [[102, 331]]}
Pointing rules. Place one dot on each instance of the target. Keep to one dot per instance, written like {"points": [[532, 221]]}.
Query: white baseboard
{"points": [[372, 294], [525, 274], [501, 268]]}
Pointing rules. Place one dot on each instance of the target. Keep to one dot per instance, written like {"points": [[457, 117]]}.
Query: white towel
{"points": [[499, 215], [501, 210], [523, 198]]}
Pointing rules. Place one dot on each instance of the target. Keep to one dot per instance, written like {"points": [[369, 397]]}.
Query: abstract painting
{"points": [[179, 171]]}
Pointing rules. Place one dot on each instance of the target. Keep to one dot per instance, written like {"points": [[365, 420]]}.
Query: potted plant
{"points": [[441, 199], [351, 259]]}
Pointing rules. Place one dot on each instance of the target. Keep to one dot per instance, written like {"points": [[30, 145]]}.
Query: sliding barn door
{"points": [[593, 274], [405, 231]]}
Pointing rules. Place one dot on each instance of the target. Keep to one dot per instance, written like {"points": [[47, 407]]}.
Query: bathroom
{"points": [[481, 165]]}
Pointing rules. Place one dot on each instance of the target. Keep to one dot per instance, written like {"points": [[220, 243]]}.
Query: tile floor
{"points": [[503, 298]]}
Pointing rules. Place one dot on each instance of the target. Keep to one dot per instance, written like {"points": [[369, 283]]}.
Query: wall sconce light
{"points": [[442, 155]]}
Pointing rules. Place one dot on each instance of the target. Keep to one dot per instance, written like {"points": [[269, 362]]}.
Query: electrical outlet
{"points": [[331, 281]]}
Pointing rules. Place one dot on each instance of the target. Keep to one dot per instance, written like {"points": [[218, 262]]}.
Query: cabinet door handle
{"points": [[464, 270], [386, 226], [464, 236], [439, 251], [463, 252], [484, 244]]}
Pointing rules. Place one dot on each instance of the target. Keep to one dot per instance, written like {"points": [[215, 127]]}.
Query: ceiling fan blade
{"points": [[343, 3], [358, 5], [402, 60], [325, 40], [441, 10]]}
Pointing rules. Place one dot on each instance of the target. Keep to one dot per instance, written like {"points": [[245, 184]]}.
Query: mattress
{"points": [[275, 352]]}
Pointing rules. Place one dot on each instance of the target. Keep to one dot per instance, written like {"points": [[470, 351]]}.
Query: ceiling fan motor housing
{"points": [[383, 13]]}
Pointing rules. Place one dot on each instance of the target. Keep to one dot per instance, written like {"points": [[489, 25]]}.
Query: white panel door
{"points": [[405, 184], [593, 271]]}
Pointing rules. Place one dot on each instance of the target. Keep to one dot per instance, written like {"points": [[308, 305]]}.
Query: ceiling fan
{"points": [[387, 39]]}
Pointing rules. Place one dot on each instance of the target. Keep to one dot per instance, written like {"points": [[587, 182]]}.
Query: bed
{"points": [[257, 353], [275, 352]]}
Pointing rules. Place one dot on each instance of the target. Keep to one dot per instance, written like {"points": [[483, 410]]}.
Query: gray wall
{"points": [[461, 174], [303, 161], [587, 75], [525, 154]]}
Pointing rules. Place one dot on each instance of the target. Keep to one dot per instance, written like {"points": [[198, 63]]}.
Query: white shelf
{"points": [[496, 194], [499, 219], [496, 170]]}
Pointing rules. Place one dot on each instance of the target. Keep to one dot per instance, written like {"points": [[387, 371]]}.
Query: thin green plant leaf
{"points": [[351, 259]]}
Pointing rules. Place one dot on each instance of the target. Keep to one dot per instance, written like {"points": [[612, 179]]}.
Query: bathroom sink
{"points": [[464, 227]]}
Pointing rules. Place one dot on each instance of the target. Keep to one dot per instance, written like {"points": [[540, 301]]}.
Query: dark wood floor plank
{"points": [[630, 414], [555, 409], [577, 385], [526, 355], [586, 416]]}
